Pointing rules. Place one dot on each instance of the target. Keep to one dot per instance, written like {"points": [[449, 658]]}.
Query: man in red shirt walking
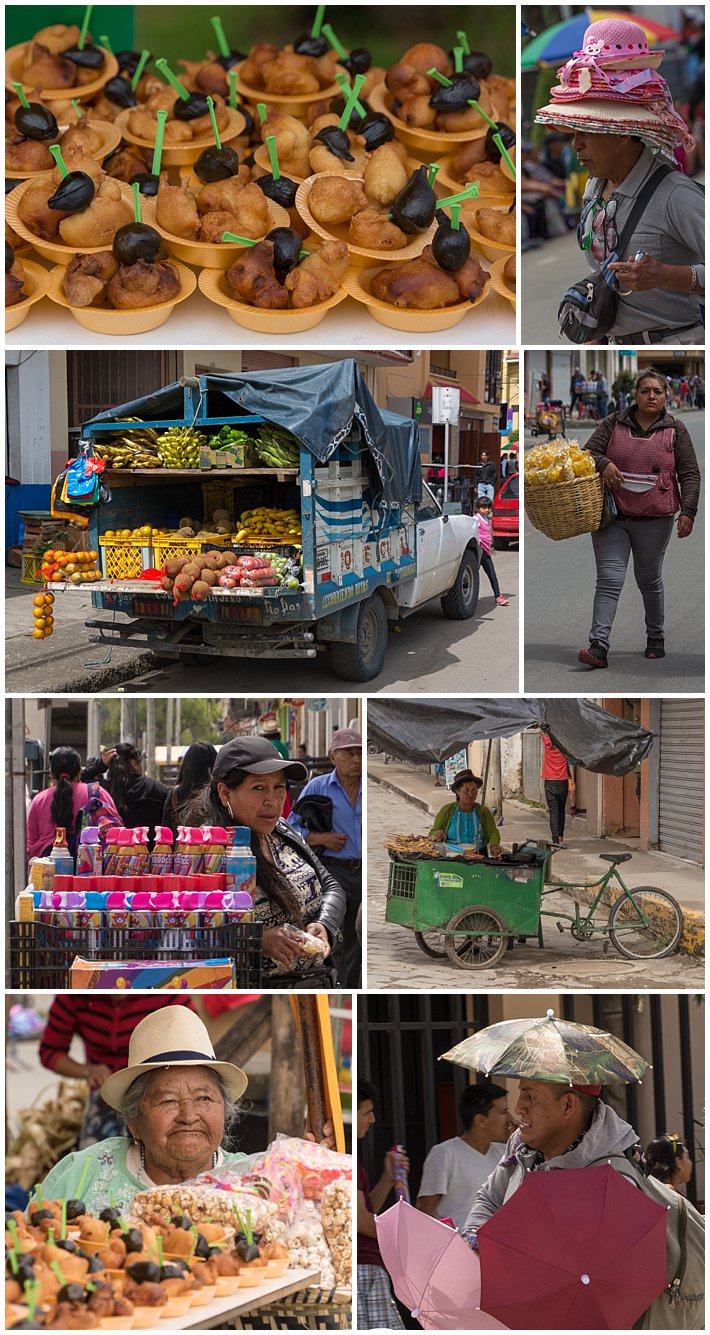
{"points": [[558, 778]]}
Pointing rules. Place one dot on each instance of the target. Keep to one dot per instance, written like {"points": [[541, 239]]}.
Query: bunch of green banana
{"points": [[179, 447], [134, 448], [277, 448]]}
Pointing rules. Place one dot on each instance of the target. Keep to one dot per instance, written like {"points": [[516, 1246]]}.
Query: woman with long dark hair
{"points": [[59, 805], [668, 1158], [248, 787], [193, 775], [139, 799]]}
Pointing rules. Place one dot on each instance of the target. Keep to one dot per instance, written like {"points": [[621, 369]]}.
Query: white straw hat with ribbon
{"points": [[171, 1036]]}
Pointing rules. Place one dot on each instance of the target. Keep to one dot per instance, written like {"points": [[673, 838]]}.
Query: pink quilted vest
{"points": [[645, 455]]}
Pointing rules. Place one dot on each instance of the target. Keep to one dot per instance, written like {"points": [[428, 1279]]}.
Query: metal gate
{"points": [[680, 799]]}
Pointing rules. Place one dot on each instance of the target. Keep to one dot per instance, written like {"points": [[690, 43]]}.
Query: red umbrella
{"points": [[579, 1249]]}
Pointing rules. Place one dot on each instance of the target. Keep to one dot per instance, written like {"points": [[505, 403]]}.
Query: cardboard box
{"points": [[233, 456], [183, 975]]}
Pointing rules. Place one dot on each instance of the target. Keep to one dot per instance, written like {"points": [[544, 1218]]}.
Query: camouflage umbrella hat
{"points": [[550, 1049]]}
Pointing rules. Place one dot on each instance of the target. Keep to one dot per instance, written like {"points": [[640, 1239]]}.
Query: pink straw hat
{"points": [[618, 44]]}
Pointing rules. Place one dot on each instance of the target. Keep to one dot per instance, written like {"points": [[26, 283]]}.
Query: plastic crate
{"points": [[125, 558], [41, 955], [164, 548], [31, 563]]}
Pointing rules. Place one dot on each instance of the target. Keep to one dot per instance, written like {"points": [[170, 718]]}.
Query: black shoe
{"points": [[559, 843], [655, 648], [595, 656]]}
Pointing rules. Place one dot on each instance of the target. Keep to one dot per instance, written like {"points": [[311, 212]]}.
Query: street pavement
{"points": [[547, 273], [394, 959], [559, 588]]}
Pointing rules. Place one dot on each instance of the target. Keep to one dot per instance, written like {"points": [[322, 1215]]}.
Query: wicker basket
{"points": [[567, 509]]}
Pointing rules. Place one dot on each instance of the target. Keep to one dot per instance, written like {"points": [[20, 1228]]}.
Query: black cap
{"points": [[257, 755], [466, 776]]}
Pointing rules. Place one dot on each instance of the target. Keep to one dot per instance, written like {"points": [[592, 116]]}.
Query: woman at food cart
{"points": [[465, 821], [293, 888], [177, 1103]]}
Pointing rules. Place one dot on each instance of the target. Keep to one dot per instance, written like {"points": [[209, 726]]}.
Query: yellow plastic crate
{"points": [[165, 548], [125, 558], [31, 563]]}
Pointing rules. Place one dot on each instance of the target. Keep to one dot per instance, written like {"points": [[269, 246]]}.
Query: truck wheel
{"points": [[462, 599], [501, 544], [363, 660]]}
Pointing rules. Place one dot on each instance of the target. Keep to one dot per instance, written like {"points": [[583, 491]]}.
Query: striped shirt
{"points": [[104, 1024]]}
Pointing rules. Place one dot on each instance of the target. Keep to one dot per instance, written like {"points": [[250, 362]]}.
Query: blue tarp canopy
{"points": [[318, 405]]}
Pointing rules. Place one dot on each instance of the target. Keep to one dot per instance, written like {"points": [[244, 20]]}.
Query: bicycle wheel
{"points": [[647, 926], [479, 951], [432, 943]]}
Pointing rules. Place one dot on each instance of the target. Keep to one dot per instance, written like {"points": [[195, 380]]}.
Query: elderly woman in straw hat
{"points": [[626, 132], [177, 1102]]}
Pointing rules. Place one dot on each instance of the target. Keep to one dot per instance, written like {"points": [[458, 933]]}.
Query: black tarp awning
{"points": [[431, 729], [316, 403]]}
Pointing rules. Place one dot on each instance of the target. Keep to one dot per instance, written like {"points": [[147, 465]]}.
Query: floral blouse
{"points": [[306, 887]]}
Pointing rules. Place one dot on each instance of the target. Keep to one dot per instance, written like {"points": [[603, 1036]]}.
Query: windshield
{"points": [[511, 490]]}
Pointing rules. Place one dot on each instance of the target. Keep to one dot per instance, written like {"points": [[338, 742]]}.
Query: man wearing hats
{"points": [[270, 729], [339, 847], [465, 821]]}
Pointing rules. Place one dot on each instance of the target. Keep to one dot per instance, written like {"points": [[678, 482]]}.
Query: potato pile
{"points": [[195, 576], [558, 461]]}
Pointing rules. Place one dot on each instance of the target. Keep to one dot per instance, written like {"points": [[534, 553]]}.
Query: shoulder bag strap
{"points": [[648, 189]]}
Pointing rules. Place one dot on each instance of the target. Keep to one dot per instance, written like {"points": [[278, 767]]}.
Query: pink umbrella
{"points": [[433, 1271]]}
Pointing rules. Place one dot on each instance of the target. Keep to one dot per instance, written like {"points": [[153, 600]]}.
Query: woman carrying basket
{"points": [[647, 460]]}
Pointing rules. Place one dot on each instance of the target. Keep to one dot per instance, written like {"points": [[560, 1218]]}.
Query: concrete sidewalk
{"points": [[580, 861]]}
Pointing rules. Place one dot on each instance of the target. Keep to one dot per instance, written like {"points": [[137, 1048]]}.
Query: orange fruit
{"points": [[38, 600], [48, 598], [37, 634], [40, 623], [49, 631], [49, 621]]}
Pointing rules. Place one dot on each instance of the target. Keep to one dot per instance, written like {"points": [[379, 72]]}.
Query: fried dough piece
{"points": [[293, 143], [127, 162], [47, 70], [319, 276], [456, 122], [418, 284], [14, 283], [404, 79], [97, 225], [471, 278], [58, 37], [252, 212], [415, 110], [214, 224], [138, 285], [251, 71], [160, 99], [223, 194], [468, 156], [176, 210], [424, 56], [291, 75], [496, 226], [334, 199], [205, 76], [202, 125], [80, 140], [373, 229], [143, 124], [510, 271], [79, 164], [385, 175], [27, 155], [33, 212], [491, 174], [322, 160], [86, 278], [12, 238], [253, 280]]}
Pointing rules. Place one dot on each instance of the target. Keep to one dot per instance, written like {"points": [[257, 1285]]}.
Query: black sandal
{"points": [[655, 648]]}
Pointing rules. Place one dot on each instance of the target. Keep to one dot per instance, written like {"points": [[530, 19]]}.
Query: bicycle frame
{"points": [[584, 925]]}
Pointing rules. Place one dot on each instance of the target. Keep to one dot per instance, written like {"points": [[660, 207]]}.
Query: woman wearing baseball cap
{"points": [[248, 787]]}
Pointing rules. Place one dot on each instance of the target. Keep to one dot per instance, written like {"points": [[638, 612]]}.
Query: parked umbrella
{"points": [[556, 44], [577, 1250], [433, 1271], [549, 1049]]}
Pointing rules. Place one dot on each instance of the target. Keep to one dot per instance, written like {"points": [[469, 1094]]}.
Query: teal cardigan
{"points": [[490, 830]]}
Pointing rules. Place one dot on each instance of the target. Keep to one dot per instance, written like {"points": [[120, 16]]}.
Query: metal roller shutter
{"points": [[680, 815]]}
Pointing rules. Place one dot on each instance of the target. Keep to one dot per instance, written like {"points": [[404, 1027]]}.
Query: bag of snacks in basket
{"points": [[564, 494], [218, 1196], [299, 1167]]}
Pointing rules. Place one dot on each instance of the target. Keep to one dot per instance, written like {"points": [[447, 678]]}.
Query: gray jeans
{"points": [[647, 539]]}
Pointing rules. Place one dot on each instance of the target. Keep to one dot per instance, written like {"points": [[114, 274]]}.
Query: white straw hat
{"points": [[171, 1036]]}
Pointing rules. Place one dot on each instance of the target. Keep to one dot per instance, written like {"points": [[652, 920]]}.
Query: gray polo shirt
{"points": [[671, 229]]}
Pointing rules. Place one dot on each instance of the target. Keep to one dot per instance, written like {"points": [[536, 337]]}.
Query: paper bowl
{"points": [[504, 166], [213, 285], [498, 282], [145, 1318], [14, 57], [430, 143], [359, 255], [491, 249], [176, 1306], [262, 160], [110, 139], [277, 1269], [202, 1297], [116, 1322], [251, 1278], [91, 1248], [292, 104], [182, 155], [227, 1285], [123, 323], [450, 185], [357, 282], [211, 254], [57, 251], [36, 287]]}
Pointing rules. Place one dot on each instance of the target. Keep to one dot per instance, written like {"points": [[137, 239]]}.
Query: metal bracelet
{"points": [[693, 278]]}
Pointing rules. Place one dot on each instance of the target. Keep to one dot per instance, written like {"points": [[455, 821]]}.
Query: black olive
{"points": [[138, 241], [337, 141], [414, 207], [37, 1216], [175, 1270], [451, 246], [507, 135], [181, 1221], [282, 192], [192, 108], [203, 1247], [119, 92], [287, 248], [464, 89], [95, 1265], [228, 62], [36, 122], [245, 112], [128, 61], [75, 1208], [90, 58], [147, 181], [144, 1272], [10, 185], [74, 193], [216, 1251], [110, 1215], [247, 1251], [306, 45], [376, 129], [217, 164], [72, 1293], [9, 256], [478, 63], [67, 1245], [358, 62]]}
